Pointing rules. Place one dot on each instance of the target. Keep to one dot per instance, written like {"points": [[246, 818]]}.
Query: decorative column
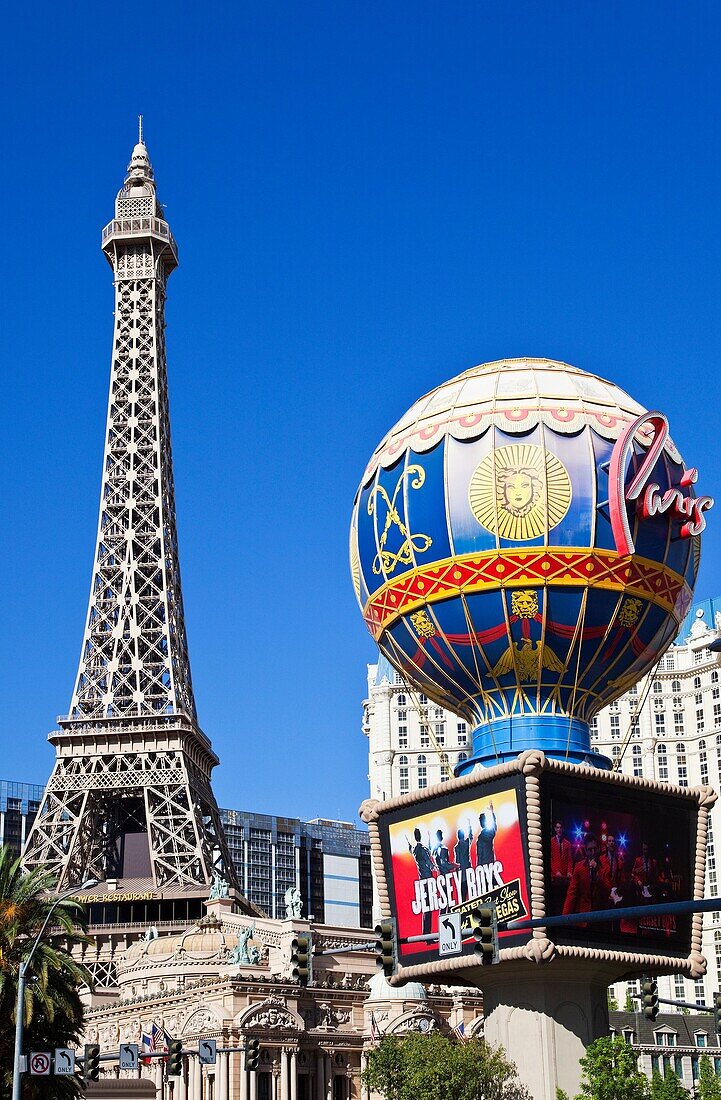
{"points": [[294, 1075], [196, 1080], [243, 1083], [222, 1091], [284, 1091], [180, 1091], [328, 1077], [158, 1077], [253, 1086]]}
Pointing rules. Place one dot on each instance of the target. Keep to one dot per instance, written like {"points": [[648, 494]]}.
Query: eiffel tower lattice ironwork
{"points": [[129, 796]]}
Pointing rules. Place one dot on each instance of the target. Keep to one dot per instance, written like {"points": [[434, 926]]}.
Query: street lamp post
{"points": [[22, 973]]}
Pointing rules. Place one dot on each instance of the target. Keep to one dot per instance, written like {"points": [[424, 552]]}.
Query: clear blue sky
{"points": [[368, 199]]}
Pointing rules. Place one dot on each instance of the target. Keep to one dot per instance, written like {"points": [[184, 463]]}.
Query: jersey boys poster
{"points": [[450, 857]]}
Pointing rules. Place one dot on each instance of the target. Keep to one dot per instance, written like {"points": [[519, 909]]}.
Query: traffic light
{"points": [[386, 946], [91, 1064], [649, 989], [252, 1054], [175, 1058], [301, 959], [484, 926], [717, 1012]]}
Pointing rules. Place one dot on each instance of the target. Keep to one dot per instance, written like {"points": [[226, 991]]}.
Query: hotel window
{"points": [[397, 678], [675, 685], [403, 737], [633, 690], [615, 720], [422, 773], [425, 736], [700, 1037], [699, 995], [404, 784], [660, 723], [717, 713], [462, 733], [423, 699], [699, 720], [662, 763], [401, 700], [636, 760], [445, 767], [697, 683], [716, 693], [462, 756], [657, 689], [593, 725], [440, 733], [714, 676], [678, 722], [679, 990], [698, 657]]}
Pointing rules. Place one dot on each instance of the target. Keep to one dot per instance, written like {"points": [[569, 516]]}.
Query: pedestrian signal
{"points": [[252, 1054], [386, 946], [91, 1064], [175, 1058], [484, 926], [649, 989], [301, 959]]}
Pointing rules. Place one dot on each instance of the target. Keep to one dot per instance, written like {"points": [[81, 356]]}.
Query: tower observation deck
{"points": [[129, 800]]}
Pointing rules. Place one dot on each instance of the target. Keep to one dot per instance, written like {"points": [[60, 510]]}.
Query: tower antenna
{"points": [[140, 129]]}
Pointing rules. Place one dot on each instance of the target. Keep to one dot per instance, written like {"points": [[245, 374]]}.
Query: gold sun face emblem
{"points": [[520, 492]]}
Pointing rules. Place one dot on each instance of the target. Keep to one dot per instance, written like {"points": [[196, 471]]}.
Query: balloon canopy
{"points": [[524, 547]]}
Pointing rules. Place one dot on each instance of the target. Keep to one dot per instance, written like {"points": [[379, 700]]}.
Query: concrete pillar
{"points": [[180, 1091], [158, 1077], [544, 1018], [243, 1082], [253, 1086], [294, 1075], [328, 1078]]}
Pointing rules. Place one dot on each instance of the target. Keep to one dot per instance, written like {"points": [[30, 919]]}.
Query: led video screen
{"points": [[610, 847]]}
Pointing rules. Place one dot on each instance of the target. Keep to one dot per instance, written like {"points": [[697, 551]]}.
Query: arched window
{"points": [[701, 745], [714, 676], [696, 682], [462, 756], [675, 685], [401, 700], [657, 689], [422, 759]]}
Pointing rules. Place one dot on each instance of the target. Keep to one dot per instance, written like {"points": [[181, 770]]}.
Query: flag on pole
{"points": [[158, 1039], [375, 1030], [146, 1047], [460, 1032]]}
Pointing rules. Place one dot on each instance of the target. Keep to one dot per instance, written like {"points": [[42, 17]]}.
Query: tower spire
{"points": [[131, 758], [140, 130]]}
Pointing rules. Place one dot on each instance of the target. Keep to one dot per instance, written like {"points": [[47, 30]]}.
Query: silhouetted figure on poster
{"points": [[485, 852], [442, 855], [425, 866], [462, 856]]}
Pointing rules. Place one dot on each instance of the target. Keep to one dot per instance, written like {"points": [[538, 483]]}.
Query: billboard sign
{"points": [[450, 854]]}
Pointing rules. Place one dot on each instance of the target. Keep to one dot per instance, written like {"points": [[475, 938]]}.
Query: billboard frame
{"points": [[540, 946]]}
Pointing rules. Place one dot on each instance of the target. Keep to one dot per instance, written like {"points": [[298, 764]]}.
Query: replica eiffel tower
{"points": [[129, 800]]}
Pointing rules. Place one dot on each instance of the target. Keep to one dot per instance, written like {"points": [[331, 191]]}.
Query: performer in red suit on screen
{"points": [[561, 861], [589, 888]]}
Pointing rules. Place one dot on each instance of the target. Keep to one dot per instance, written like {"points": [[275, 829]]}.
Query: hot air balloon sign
{"points": [[524, 547]]}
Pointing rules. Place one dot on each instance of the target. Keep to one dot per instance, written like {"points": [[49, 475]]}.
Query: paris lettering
{"points": [[646, 494]]}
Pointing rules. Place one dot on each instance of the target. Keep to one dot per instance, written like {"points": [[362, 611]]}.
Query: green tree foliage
{"points": [[610, 1072], [709, 1086], [53, 1012], [667, 1087], [628, 1004], [431, 1067]]}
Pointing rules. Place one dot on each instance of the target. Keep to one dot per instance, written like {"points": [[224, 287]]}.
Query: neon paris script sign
{"points": [[646, 494]]}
